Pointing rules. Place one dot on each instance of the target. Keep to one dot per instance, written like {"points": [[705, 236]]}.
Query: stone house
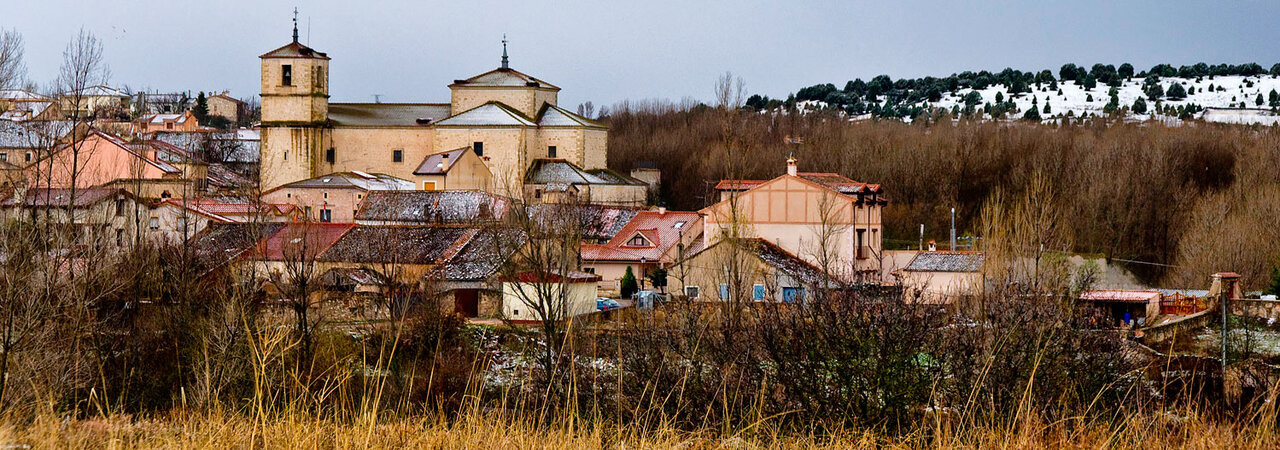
{"points": [[943, 276], [334, 197]]}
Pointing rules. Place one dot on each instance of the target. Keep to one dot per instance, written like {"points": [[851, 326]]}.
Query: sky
{"points": [[605, 51]]}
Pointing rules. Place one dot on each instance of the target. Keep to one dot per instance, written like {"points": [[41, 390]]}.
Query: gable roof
{"points": [[359, 180], [386, 114], [294, 50], [503, 77], [489, 114], [479, 256], [102, 90], [435, 163], [404, 245], [303, 240], [946, 262], [555, 116], [459, 207], [61, 197], [780, 259], [661, 230], [230, 210], [834, 181], [220, 243], [562, 172]]}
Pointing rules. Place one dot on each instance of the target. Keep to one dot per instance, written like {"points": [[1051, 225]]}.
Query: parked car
{"points": [[602, 303], [613, 304], [649, 299]]}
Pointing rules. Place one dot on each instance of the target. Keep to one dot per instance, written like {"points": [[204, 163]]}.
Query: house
{"points": [[747, 269], [650, 240], [825, 218], [431, 207], [459, 168], [168, 122], [1132, 308], [20, 105], [941, 277], [105, 217], [101, 159], [236, 150], [467, 277], [507, 118], [96, 101], [237, 210], [560, 181], [225, 106], [334, 197], [561, 296], [148, 103]]}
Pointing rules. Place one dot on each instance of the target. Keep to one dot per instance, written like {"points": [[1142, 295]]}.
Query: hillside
{"points": [[1244, 94]]}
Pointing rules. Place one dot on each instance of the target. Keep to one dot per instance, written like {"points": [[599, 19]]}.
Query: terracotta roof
{"points": [[946, 262], [503, 78], [303, 240], [834, 181], [660, 230], [294, 50], [220, 243], [434, 164]]}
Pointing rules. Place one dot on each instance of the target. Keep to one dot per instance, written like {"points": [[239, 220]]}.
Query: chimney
{"points": [[933, 246], [662, 210], [791, 166]]}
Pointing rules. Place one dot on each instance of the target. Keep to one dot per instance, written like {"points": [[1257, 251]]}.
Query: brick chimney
{"points": [[791, 166]]}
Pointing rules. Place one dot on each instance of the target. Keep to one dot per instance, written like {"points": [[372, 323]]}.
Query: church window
{"points": [[551, 151], [286, 75], [478, 147], [397, 155], [328, 156]]}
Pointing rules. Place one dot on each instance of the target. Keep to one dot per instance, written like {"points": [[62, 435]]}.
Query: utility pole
{"points": [[921, 247], [1223, 296]]}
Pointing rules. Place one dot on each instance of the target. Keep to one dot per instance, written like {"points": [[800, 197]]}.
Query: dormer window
{"points": [[638, 241]]}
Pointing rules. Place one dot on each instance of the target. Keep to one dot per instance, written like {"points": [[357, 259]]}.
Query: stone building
{"points": [[506, 118]]}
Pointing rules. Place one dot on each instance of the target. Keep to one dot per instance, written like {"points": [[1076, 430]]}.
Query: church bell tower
{"points": [[295, 107]]}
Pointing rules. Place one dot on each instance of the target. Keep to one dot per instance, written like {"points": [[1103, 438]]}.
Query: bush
{"points": [[627, 285]]}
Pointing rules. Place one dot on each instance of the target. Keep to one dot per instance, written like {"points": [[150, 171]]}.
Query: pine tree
{"points": [[627, 285], [1090, 82], [1274, 287], [1139, 106], [201, 110], [1176, 91], [1031, 114], [1088, 98], [1258, 101], [1046, 108], [1274, 98]]}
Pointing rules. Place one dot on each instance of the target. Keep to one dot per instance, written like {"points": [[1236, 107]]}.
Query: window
{"points": [[551, 151], [325, 194], [637, 241], [861, 254], [4, 156], [119, 207], [154, 223], [328, 156], [691, 291], [28, 156], [478, 147], [119, 237], [307, 210], [590, 270], [428, 185], [326, 215], [724, 291], [757, 292], [168, 125], [286, 75], [318, 75], [397, 155], [537, 193]]}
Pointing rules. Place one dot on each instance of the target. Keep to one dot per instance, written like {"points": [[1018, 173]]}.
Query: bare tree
{"points": [[298, 280], [13, 70]]}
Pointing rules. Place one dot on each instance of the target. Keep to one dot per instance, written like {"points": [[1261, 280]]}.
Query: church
{"points": [[497, 129]]}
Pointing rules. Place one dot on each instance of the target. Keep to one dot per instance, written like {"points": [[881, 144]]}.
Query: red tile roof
{"points": [[303, 240], [656, 227], [828, 179]]}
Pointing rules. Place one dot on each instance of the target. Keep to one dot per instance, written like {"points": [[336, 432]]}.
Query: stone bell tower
{"points": [[295, 107]]}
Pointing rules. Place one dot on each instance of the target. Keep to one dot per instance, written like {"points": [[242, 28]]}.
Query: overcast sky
{"points": [[606, 51]]}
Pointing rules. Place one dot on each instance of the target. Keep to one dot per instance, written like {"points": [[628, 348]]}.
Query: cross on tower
{"points": [[295, 24], [504, 51]]}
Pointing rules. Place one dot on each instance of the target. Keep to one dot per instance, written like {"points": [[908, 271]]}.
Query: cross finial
{"points": [[295, 24], [504, 51]]}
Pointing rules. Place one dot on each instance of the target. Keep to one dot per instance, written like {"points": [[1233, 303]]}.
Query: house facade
{"points": [[335, 197]]}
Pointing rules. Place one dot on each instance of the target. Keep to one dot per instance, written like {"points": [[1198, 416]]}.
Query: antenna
{"points": [[308, 30], [377, 98]]}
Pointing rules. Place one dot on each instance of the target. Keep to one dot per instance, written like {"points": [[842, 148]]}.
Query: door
{"points": [[466, 302]]}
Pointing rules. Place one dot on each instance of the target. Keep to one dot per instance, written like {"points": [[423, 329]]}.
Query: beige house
{"points": [[825, 218], [747, 270], [335, 197], [225, 106], [943, 277], [457, 169], [110, 217], [19, 105], [176, 122], [507, 118], [562, 297], [650, 240], [561, 181], [95, 101]]}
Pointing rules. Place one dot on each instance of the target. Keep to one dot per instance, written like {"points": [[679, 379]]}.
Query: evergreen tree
{"points": [[1090, 82], [1088, 98], [1274, 98], [1259, 100], [201, 110], [1126, 70], [1191, 90], [1031, 114], [1274, 287], [627, 285], [1139, 106], [1275, 69], [999, 97], [1047, 111], [1176, 91]]}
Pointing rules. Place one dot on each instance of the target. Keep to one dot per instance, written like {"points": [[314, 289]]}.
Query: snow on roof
{"points": [[661, 230], [61, 198], [23, 95], [423, 207], [102, 91], [435, 163], [488, 114], [303, 240], [240, 146], [1122, 296], [386, 114], [398, 244], [551, 171], [946, 262], [13, 135], [503, 78], [220, 243], [484, 251], [360, 180], [555, 116]]}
